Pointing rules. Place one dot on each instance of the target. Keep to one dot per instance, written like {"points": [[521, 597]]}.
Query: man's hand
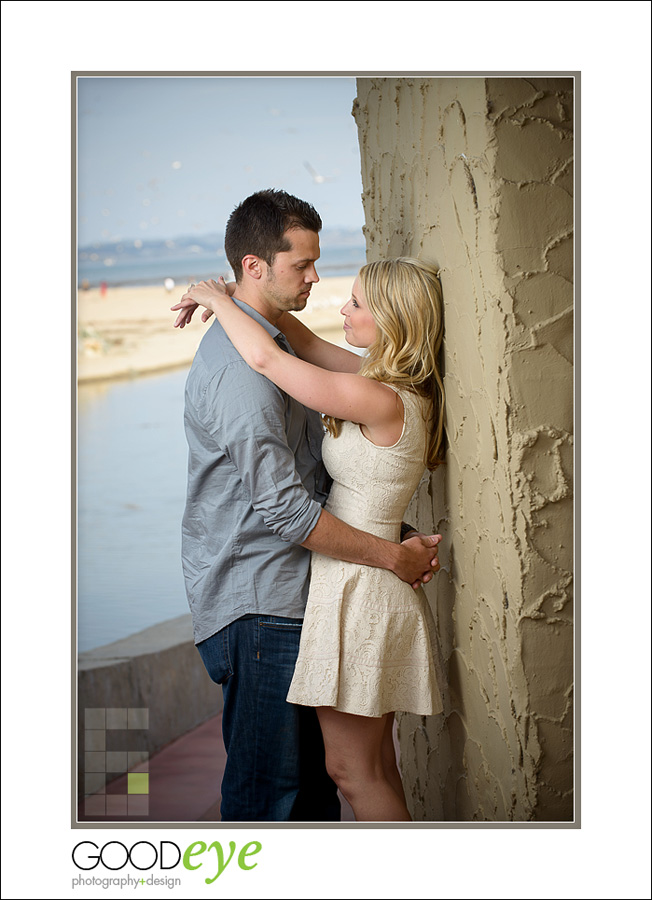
{"points": [[418, 559], [414, 561]]}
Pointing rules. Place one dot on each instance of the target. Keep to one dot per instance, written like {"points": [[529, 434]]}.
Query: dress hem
{"points": [[375, 715]]}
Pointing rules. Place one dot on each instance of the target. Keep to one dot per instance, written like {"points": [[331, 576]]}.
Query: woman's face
{"points": [[359, 324]]}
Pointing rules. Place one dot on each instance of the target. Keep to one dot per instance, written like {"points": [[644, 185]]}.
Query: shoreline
{"points": [[122, 374], [127, 331]]}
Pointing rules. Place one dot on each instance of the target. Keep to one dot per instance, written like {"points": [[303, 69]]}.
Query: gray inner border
{"points": [[576, 75]]}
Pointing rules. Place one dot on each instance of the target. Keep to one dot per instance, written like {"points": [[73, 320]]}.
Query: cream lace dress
{"points": [[366, 638]]}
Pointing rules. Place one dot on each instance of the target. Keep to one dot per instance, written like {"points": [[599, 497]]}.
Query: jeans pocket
{"points": [[279, 642], [215, 655], [282, 623]]}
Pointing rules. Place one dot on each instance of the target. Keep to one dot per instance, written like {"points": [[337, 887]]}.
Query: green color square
{"points": [[138, 783]]}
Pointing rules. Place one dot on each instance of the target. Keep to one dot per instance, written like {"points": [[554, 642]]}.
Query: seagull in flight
{"points": [[316, 177]]}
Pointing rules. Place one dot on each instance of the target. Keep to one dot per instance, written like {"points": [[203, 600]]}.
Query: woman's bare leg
{"points": [[389, 758], [354, 759]]}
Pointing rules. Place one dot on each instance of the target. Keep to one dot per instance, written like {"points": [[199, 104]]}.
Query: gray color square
{"points": [[118, 739], [138, 718], [116, 761], [117, 717], [138, 758], [95, 762], [95, 718], [94, 782], [95, 740]]}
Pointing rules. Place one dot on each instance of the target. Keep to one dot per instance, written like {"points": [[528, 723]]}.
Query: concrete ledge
{"points": [[158, 669]]}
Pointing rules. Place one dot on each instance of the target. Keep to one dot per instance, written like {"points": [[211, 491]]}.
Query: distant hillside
{"points": [[138, 261], [205, 245]]}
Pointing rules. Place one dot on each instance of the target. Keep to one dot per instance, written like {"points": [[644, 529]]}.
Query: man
{"points": [[256, 486]]}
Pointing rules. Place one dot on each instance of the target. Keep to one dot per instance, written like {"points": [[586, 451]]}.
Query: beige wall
{"points": [[476, 175]]}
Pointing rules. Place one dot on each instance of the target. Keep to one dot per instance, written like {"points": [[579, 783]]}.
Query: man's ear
{"points": [[253, 266]]}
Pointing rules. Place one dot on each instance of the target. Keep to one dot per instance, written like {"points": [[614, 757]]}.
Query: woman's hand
{"points": [[206, 293], [188, 308]]}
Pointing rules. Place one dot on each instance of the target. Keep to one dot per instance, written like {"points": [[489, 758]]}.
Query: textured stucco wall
{"points": [[476, 175]]}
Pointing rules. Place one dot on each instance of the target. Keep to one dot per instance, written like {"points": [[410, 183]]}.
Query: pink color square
{"points": [[138, 804], [117, 787], [95, 805], [116, 804]]}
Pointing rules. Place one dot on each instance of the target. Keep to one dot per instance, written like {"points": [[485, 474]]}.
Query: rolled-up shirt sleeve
{"points": [[246, 415]]}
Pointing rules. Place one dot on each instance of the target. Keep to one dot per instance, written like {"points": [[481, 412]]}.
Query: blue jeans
{"points": [[275, 769]]}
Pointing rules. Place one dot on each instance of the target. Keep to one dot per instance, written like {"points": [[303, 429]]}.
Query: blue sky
{"points": [[163, 157]]}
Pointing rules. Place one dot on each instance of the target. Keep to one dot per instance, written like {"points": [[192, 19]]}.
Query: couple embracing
{"points": [[302, 579]]}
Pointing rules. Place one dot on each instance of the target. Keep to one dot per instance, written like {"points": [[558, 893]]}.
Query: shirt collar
{"points": [[277, 335], [269, 328]]}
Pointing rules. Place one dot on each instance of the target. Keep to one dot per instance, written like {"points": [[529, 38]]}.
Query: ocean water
{"points": [[127, 264], [131, 493]]}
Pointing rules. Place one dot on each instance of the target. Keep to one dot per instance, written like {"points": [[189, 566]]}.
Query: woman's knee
{"points": [[353, 747], [347, 771], [336, 767]]}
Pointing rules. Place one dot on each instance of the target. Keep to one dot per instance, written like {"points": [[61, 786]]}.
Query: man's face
{"points": [[287, 282]]}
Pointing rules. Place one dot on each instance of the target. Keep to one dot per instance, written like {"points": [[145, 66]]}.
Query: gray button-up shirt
{"points": [[255, 488]]}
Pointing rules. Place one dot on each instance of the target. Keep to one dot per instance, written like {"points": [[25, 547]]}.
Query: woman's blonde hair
{"points": [[404, 298]]}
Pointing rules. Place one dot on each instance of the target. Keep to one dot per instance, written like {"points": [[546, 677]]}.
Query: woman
{"points": [[365, 647]]}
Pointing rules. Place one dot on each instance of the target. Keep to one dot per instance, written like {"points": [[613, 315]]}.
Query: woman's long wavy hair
{"points": [[405, 300]]}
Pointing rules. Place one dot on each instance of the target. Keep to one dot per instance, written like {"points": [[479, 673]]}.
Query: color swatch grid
{"points": [[114, 744]]}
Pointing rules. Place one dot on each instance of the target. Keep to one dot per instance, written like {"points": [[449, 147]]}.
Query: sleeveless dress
{"points": [[366, 641]]}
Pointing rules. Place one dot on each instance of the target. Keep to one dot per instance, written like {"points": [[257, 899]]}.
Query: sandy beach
{"points": [[128, 331]]}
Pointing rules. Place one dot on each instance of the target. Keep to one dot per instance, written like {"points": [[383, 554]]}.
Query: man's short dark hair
{"points": [[259, 223]]}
